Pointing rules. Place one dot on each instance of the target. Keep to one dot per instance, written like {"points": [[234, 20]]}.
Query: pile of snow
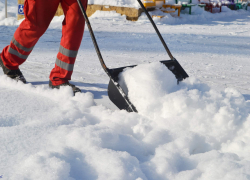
{"points": [[107, 15], [197, 132], [170, 2], [119, 3], [186, 131]]}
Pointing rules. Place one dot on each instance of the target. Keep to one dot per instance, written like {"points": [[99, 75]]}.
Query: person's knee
{"points": [[40, 31], [35, 28]]}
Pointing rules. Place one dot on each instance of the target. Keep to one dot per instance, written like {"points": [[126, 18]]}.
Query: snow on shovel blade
{"points": [[119, 97]]}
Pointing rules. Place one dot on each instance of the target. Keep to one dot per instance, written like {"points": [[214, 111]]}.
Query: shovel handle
{"points": [[130, 106], [157, 31], [93, 39]]}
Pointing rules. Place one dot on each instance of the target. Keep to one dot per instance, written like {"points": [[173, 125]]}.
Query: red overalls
{"points": [[38, 15]]}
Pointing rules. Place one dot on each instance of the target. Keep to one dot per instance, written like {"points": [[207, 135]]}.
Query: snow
{"points": [[170, 2], [120, 3], [198, 129]]}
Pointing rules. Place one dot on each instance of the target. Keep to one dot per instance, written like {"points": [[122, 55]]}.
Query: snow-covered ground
{"points": [[199, 129]]}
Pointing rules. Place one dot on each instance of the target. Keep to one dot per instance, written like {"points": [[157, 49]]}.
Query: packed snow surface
{"points": [[199, 129]]}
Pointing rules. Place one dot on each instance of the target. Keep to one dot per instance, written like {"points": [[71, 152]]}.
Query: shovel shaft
{"points": [[129, 106], [93, 39]]}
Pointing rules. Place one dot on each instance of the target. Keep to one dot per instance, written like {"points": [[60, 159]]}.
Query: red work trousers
{"points": [[38, 15]]}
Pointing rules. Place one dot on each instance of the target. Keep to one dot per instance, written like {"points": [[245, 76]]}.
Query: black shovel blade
{"points": [[120, 99]]}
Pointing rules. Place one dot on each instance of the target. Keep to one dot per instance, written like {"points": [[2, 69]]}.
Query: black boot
{"points": [[13, 74], [74, 88]]}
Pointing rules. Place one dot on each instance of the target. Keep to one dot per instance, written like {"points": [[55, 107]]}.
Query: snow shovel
{"points": [[115, 92]]}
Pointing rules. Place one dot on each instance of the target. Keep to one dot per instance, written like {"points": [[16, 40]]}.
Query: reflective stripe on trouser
{"points": [[16, 54], [72, 32], [64, 65], [64, 55], [38, 15]]}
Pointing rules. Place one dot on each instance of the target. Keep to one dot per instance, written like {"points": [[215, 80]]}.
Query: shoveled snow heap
{"points": [[187, 131]]}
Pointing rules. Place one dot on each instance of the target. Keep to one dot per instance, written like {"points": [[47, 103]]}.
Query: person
{"points": [[38, 15]]}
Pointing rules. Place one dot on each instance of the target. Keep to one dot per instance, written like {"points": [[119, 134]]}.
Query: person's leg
{"points": [[72, 33], [38, 14]]}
